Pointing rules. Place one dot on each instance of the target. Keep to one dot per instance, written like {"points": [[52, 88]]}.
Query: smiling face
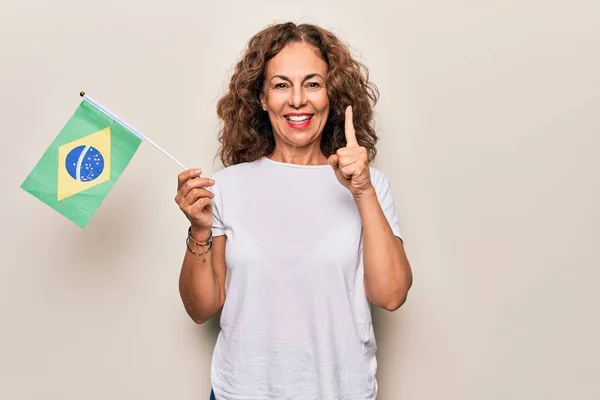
{"points": [[295, 97]]}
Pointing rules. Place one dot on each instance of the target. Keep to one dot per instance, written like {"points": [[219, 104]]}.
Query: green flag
{"points": [[82, 164]]}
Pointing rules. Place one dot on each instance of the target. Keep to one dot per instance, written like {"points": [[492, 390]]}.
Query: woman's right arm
{"points": [[202, 284], [202, 278]]}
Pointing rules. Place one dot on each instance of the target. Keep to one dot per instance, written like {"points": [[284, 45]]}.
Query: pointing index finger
{"points": [[349, 129]]}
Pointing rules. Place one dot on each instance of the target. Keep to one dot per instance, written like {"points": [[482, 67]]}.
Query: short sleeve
{"points": [[218, 227], [385, 196]]}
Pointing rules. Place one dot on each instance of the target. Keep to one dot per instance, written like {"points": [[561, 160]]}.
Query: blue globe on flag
{"points": [[84, 163]]}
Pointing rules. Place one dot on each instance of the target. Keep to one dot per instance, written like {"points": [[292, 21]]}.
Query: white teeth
{"points": [[294, 118]]}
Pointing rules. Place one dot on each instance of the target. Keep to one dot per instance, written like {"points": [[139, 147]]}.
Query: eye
{"points": [[280, 85], [313, 85]]}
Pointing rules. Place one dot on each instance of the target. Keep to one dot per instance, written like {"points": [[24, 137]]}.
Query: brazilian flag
{"points": [[82, 164]]}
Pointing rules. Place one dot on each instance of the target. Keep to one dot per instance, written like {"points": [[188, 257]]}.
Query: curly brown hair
{"points": [[246, 133]]}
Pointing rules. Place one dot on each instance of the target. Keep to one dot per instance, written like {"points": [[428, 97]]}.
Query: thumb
{"points": [[334, 161]]}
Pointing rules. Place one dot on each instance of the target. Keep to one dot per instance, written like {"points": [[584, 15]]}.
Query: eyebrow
{"points": [[285, 78]]}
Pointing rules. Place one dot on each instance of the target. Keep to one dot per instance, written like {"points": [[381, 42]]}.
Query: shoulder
{"points": [[378, 178], [382, 184], [234, 172], [230, 179]]}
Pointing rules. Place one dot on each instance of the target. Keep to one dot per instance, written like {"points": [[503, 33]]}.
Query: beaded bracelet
{"points": [[196, 244]]}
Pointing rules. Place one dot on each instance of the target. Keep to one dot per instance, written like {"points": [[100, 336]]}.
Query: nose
{"points": [[297, 97]]}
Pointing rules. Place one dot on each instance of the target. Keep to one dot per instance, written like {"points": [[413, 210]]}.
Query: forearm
{"points": [[198, 283], [388, 275]]}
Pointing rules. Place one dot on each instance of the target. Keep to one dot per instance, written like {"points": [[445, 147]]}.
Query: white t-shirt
{"points": [[296, 323]]}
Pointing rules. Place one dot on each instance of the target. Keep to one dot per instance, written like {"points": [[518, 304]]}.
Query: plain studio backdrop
{"points": [[490, 125]]}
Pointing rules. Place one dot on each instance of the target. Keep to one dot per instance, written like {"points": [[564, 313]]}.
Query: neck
{"points": [[299, 156]]}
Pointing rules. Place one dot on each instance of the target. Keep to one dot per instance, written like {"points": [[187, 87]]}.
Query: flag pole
{"points": [[132, 129]]}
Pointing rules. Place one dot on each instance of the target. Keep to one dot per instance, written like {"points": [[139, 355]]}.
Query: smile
{"points": [[299, 121]]}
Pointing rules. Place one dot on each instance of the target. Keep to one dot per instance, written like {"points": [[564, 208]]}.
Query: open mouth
{"points": [[299, 120]]}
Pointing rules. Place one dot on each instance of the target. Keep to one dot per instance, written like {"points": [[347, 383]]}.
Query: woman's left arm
{"points": [[388, 275]]}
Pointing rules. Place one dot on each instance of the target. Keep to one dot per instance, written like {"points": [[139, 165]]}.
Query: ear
{"points": [[263, 101]]}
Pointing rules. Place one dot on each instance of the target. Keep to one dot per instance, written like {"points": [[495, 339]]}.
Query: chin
{"points": [[300, 139]]}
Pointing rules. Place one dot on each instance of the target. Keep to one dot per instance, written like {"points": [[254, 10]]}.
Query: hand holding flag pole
{"points": [[192, 196]]}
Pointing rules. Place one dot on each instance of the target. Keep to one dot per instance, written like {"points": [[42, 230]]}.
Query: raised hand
{"points": [[194, 200], [351, 163]]}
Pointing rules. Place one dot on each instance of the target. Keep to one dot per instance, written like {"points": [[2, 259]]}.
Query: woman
{"points": [[298, 234]]}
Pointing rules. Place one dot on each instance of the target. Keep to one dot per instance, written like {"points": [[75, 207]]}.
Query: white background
{"points": [[490, 125]]}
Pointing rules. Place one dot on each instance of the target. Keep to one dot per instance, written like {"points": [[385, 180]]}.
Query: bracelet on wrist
{"points": [[207, 244]]}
